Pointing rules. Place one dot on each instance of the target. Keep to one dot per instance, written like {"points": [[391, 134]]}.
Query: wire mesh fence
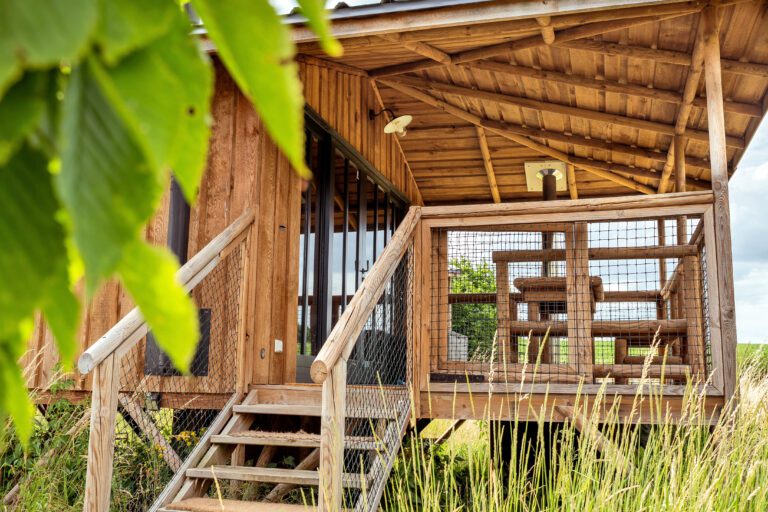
{"points": [[377, 394], [603, 301], [161, 413]]}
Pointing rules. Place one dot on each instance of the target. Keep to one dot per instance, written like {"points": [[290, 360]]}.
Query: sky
{"points": [[749, 221], [749, 228]]}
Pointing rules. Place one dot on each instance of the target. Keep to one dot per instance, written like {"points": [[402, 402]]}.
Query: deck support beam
{"points": [[722, 219], [488, 164]]}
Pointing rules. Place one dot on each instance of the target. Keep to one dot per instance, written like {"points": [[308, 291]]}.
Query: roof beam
{"points": [[423, 49], [410, 17], [609, 86], [663, 56], [591, 143], [568, 34], [488, 164], [519, 101], [524, 141], [547, 30]]}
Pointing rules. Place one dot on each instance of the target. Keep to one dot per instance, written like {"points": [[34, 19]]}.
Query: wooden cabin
{"points": [[555, 218]]}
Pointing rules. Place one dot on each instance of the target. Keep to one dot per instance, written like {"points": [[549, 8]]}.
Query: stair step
{"points": [[268, 475], [216, 505], [308, 410], [295, 439]]}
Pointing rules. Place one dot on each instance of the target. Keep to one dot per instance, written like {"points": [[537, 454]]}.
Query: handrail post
{"points": [[101, 441], [332, 429]]}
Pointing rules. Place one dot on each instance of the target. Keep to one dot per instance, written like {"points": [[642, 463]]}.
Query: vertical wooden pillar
{"points": [[620, 351], [722, 218], [332, 427], [661, 307], [101, 442], [507, 353], [440, 256], [579, 299]]}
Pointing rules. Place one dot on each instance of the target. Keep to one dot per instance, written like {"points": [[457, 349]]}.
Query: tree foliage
{"points": [[99, 101], [476, 321]]}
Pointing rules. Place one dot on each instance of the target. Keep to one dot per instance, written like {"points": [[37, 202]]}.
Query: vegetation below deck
{"points": [[674, 468]]}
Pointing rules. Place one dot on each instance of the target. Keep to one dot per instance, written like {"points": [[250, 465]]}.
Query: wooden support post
{"points": [[571, 174], [534, 346], [661, 312], [619, 355], [722, 217], [101, 442], [579, 303], [507, 352], [547, 30], [148, 426], [332, 431], [488, 163], [440, 255]]}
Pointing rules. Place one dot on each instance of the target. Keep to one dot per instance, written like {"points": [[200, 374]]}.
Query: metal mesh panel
{"points": [[162, 414], [600, 301], [377, 394]]}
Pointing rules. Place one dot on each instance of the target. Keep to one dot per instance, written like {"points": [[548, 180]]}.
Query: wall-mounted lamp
{"points": [[396, 125]]}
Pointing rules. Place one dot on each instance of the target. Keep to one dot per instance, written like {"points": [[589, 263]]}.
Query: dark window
{"points": [[348, 213]]}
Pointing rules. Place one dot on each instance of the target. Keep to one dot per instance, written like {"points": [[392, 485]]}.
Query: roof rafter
{"points": [[663, 56], [609, 86], [488, 164], [519, 101], [524, 141], [568, 34]]}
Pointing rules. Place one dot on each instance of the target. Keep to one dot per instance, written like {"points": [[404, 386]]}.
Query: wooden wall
{"points": [[343, 99], [246, 170]]}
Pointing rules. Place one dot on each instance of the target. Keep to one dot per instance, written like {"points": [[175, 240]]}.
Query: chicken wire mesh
{"points": [[163, 414], [609, 301], [377, 395]]}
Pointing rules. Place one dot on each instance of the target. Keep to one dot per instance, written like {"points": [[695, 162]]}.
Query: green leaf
{"points": [[149, 275], [163, 93], [105, 182], [14, 397], [20, 110], [314, 11], [33, 260], [258, 51], [43, 33], [130, 24]]}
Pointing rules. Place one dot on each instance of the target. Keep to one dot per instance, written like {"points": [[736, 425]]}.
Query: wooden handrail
{"points": [[132, 326], [342, 339]]}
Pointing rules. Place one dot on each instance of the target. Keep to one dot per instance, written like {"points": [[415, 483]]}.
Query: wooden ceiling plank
{"points": [[568, 34], [488, 164], [610, 86], [519, 101], [525, 141]]}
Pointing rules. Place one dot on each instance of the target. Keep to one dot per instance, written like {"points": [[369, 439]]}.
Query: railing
{"points": [[611, 292], [141, 403], [364, 369]]}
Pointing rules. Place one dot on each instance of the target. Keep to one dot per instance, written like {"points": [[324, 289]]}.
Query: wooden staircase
{"points": [[219, 463]]}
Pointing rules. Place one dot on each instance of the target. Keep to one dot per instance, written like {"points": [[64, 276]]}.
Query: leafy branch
{"points": [[100, 100]]}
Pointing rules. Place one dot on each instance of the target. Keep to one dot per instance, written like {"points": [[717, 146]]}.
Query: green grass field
{"points": [[680, 467]]}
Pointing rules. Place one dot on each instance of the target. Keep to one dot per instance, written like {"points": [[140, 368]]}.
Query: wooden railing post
{"points": [[332, 427], [711, 18], [101, 442]]}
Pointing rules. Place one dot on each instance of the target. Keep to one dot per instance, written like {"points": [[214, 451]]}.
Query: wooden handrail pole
{"points": [[101, 441], [188, 275], [342, 339], [332, 426]]}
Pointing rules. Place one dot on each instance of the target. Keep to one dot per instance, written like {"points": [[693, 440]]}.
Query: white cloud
{"points": [[749, 221]]}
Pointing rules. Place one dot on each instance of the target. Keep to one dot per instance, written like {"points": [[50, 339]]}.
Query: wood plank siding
{"points": [[246, 170]]}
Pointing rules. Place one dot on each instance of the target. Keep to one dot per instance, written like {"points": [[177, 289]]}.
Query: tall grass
{"points": [[684, 465]]}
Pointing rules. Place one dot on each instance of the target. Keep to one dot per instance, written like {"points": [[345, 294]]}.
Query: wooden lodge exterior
{"points": [[618, 275]]}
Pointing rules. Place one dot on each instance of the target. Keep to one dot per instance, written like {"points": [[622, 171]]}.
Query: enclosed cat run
{"points": [[516, 207]]}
